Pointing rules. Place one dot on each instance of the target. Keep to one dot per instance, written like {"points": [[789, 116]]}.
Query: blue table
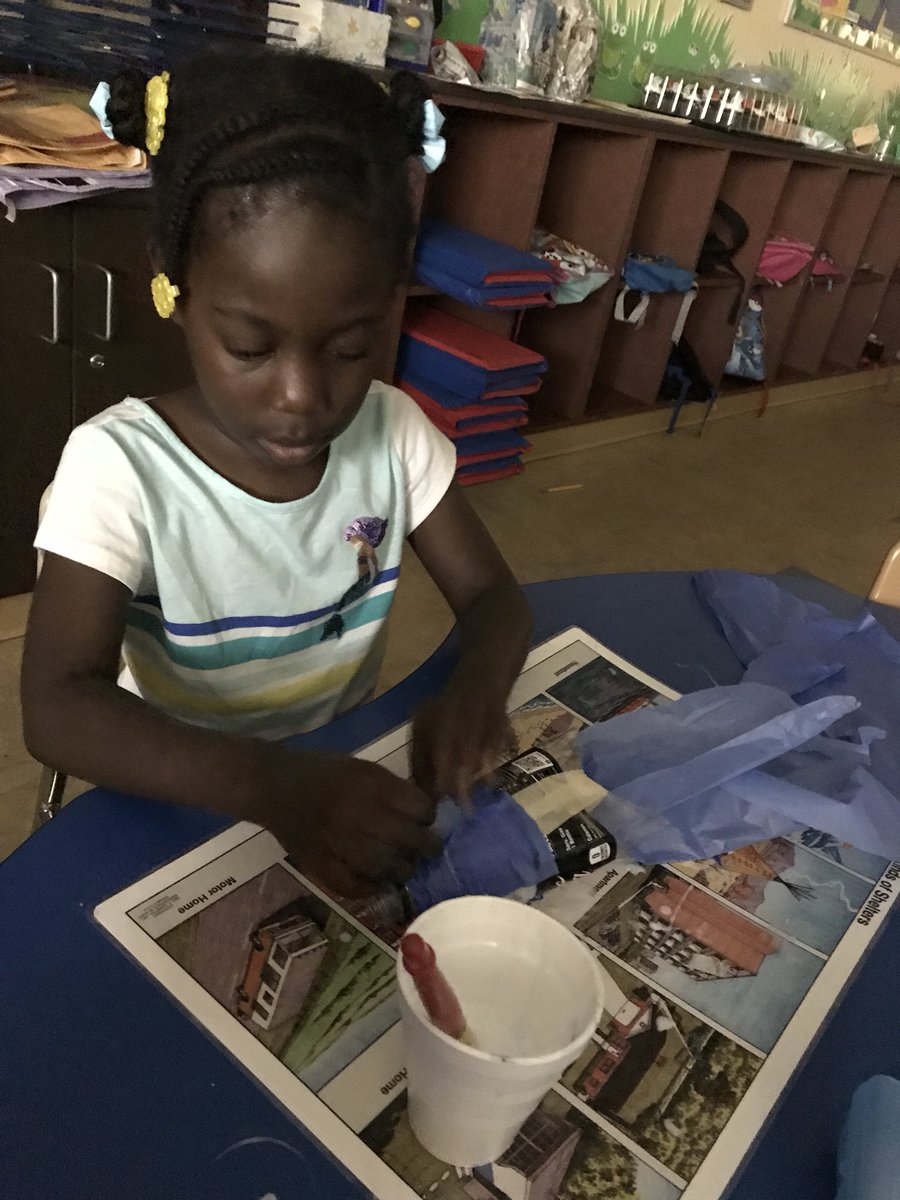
{"points": [[108, 1091]]}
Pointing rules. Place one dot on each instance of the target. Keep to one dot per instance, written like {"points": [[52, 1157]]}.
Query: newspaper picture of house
{"points": [[798, 892], [870, 866], [741, 975], [559, 1154], [292, 970], [659, 1073], [600, 690]]}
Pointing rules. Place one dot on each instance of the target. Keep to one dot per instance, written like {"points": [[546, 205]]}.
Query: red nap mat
{"points": [[436, 393], [467, 342], [500, 416], [467, 478]]}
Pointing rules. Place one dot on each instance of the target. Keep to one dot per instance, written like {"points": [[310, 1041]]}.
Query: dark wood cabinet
{"points": [[35, 377], [77, 333], [120, 347]]}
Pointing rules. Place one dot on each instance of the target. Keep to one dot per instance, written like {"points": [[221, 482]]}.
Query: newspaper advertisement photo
{"points": [[739, 973], [559, 1153], [717, 973], [659, 1073], [785, 885]]}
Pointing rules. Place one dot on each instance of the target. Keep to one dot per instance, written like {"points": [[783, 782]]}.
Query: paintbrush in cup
{"points": [[438, 997]]}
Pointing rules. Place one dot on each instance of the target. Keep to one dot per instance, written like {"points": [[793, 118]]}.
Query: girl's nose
{"points": [[301, 386]]}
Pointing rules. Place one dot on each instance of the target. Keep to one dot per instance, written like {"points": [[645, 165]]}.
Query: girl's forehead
{"points": [[290, 250]]}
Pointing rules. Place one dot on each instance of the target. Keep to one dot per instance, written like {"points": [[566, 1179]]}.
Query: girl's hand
{"points": [[350, 825], [460, 737], [464, 733]]}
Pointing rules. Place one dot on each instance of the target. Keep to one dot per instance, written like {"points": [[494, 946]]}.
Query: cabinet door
{"points": [[121, 347], [35, 377]]}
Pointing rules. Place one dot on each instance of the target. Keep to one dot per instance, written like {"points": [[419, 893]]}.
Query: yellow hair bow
{"points": [[164, 294], [156, 99]]}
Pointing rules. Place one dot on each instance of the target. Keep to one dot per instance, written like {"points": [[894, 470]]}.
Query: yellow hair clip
{"points": [[156, 98], [164, 294]]}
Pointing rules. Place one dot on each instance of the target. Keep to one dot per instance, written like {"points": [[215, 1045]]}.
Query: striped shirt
{"points": [[248, 616]]}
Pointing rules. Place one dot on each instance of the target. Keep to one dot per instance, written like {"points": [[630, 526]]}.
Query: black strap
{"points": [[739, 295], [735, 222]]}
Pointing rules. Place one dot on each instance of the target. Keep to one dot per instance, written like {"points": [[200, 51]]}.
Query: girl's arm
{"points": [[464, 732], [350, 824]]}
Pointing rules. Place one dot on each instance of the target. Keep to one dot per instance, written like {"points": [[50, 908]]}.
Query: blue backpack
{"points": [[650, 275], [655, 273]]}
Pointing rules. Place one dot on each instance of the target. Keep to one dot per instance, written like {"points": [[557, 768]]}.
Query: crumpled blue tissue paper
{"points": [[492, 850], [801, 648], [728, 766], [810, 738]]}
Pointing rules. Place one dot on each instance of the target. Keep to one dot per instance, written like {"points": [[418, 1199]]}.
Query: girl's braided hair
{"points": [[269, 122]]}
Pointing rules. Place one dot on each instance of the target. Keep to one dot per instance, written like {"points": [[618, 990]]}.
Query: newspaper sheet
{"points": [[717, 974]]}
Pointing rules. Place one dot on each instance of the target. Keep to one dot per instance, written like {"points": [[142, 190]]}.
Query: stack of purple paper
{"points": [[42, 187]]}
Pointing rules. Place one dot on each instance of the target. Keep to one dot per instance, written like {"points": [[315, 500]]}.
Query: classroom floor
{"points": [[813, 485]]}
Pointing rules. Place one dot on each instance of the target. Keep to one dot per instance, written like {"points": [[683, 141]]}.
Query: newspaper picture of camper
{"points": [[735, 971], [313, 989], [659, 1073], [559, 1154], [785, 885]]}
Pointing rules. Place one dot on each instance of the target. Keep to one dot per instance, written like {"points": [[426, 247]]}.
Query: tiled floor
{"points": [[813, 485]]}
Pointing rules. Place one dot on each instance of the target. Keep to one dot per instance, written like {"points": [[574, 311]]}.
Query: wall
{"points": [[857, 87]]}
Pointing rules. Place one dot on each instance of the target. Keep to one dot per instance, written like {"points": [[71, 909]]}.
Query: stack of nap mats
{"points": [[472, 384], [482, 272]]}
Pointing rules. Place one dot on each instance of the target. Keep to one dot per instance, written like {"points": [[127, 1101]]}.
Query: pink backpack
{"points": [[825, 265], [783, 258]]}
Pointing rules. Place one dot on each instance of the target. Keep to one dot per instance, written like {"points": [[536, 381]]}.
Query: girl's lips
{"points": [[291, 454]]}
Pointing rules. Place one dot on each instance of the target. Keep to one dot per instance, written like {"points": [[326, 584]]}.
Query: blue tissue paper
{"points": [[491, 851], [801, 648], [728, 766]]}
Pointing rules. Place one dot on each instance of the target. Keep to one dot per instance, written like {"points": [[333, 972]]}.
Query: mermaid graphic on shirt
{"points": [[365, 534]]}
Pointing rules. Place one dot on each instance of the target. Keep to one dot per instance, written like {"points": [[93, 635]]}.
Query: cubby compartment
{"points": [[887, 324], [752, 186], [869, 288], [854, 209], [802, 212], [672, 219], [493, 177], [590, 197], [613, 183]]}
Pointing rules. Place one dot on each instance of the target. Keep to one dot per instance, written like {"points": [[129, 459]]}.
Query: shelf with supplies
{"points": [[616, 183]]}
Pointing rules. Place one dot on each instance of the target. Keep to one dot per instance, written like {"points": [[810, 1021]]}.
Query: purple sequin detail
{"points": [[370, 529]]}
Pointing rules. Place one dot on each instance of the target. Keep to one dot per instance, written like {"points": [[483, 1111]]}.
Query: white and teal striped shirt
{"points": [[248, 616]]}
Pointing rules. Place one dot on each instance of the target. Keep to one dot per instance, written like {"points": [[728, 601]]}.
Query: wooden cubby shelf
{"points": [[615, 183]]}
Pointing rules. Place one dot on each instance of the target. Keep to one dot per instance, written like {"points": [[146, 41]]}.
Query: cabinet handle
{"points": [[53, 339], [106, 335]]}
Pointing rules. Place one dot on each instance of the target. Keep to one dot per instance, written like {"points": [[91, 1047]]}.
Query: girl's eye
{"points": [[247, 355], [351, 353]]}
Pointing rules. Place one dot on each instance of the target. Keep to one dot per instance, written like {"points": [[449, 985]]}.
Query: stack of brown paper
{"points": [[60, 135]]}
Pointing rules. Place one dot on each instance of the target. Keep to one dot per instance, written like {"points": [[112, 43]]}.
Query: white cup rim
{"points": [[571, 1048]]}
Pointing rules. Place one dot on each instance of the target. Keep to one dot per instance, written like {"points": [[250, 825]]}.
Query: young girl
{"points": [[238, 543]]}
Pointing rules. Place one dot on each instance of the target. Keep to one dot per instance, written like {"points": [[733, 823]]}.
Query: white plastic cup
{"points": [[532, 996]]}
